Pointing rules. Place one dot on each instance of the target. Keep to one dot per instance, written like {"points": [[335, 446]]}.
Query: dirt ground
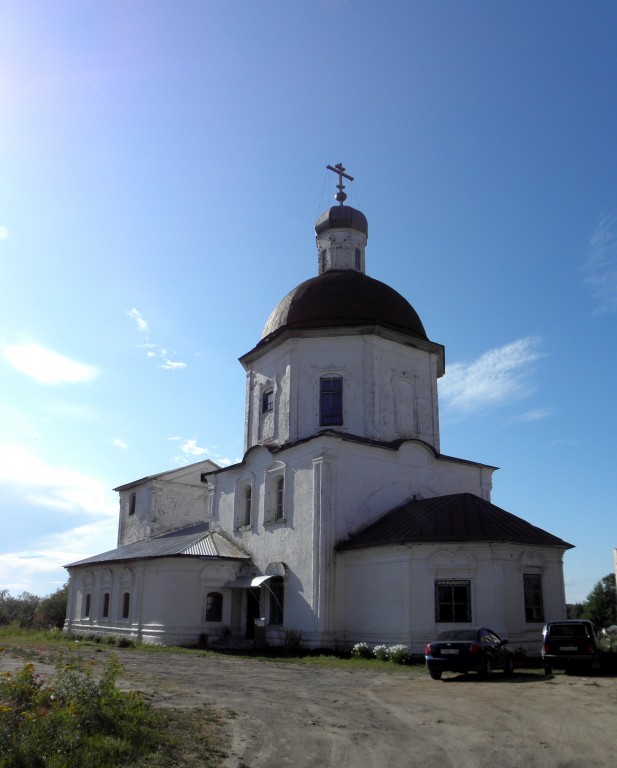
{"points": [[280, 715]]}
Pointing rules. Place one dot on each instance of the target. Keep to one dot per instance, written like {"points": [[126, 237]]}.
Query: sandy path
{"points": [[310, 717]]}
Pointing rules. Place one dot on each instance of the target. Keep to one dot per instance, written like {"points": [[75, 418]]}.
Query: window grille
{"points": [[534, 602], [452, 600]]}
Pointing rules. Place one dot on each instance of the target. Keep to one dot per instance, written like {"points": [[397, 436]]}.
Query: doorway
{"points": [[252, 611]]}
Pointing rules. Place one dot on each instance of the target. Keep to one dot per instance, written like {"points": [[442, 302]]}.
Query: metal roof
{"points": [[196, 541], [343, 299], [455, 517]]}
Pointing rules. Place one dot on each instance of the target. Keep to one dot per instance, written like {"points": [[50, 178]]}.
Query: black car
{"points": [[568, 644], [468, 650]]}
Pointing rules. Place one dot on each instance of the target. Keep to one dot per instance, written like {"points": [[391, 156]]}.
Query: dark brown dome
{"points": [[341, 217], [340, 298]]}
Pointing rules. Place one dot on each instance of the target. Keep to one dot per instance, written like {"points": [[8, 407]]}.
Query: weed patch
{"points": [[71, 719]]}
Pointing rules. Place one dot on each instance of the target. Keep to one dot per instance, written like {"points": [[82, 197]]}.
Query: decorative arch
{"points": [[449, 563]]}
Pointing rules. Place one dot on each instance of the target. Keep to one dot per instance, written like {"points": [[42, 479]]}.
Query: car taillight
{"points": [[545, 647], [474, 648], [427, 650], [591, 648]]}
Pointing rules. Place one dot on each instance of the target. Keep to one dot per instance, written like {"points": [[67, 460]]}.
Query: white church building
{"points": [[343, 522]]}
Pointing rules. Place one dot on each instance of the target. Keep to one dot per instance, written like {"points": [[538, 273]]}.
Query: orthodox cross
{"points": [[338, 168]]}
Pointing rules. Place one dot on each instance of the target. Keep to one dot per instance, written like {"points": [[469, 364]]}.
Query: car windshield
{"points": [[568, 630], [458, 634]]}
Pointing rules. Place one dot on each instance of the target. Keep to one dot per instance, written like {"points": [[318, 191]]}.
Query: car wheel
{"points": [[509, 666], [435, 674], [548, 670], [487, 669]]}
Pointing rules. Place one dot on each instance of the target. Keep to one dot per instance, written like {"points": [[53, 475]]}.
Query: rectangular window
{"points": [[126, 604], [453, 600], [534, 602], [214, 606], [87, 607], [267, 401], [106, 605], [331, 401], [132, 503], [277, 598]]}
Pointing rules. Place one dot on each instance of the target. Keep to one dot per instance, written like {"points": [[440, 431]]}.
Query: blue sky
{"points": [[163, 164]]}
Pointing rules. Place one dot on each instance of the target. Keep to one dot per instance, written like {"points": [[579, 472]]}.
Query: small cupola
{"points": [[342, 233]]}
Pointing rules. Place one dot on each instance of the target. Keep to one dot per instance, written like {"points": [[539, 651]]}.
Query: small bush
{"points": [[361, 651], [399, 654], [381, 652], [291, 642], [71, 719]]}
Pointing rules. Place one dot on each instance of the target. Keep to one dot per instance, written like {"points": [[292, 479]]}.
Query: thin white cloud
{"points": [[35, 482], [601, 264], [153, 350], [40, 569], [536, 414], [495, 378], [142, 325], [4, 233], [46, 366], [119, 443]]}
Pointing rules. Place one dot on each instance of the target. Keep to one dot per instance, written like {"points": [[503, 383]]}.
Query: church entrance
{"points": [[252, 611]]}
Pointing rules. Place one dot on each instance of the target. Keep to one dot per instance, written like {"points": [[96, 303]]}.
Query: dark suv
{"points": [[568, 644]]}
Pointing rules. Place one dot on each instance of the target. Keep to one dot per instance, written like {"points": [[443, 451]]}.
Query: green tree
{"points": [[575, 610], [601, 604], [18, 610], [51, 610]]}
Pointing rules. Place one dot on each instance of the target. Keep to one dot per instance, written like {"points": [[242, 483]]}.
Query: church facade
{"points": [[344, 522]]}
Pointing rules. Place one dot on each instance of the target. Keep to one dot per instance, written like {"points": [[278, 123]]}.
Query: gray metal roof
{"points": [[455, 517], [196, 541]]}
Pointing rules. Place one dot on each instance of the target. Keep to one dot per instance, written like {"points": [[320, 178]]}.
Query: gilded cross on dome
{"points": [[338, 168]]}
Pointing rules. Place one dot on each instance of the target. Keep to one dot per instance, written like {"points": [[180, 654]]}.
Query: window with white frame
{"points": [[453, 600]]}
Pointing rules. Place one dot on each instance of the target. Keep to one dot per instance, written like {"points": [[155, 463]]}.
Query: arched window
{"points": [[330, 401], [248, 503], [214, 606], [279, 498], [126, 605], [275, 494]]}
